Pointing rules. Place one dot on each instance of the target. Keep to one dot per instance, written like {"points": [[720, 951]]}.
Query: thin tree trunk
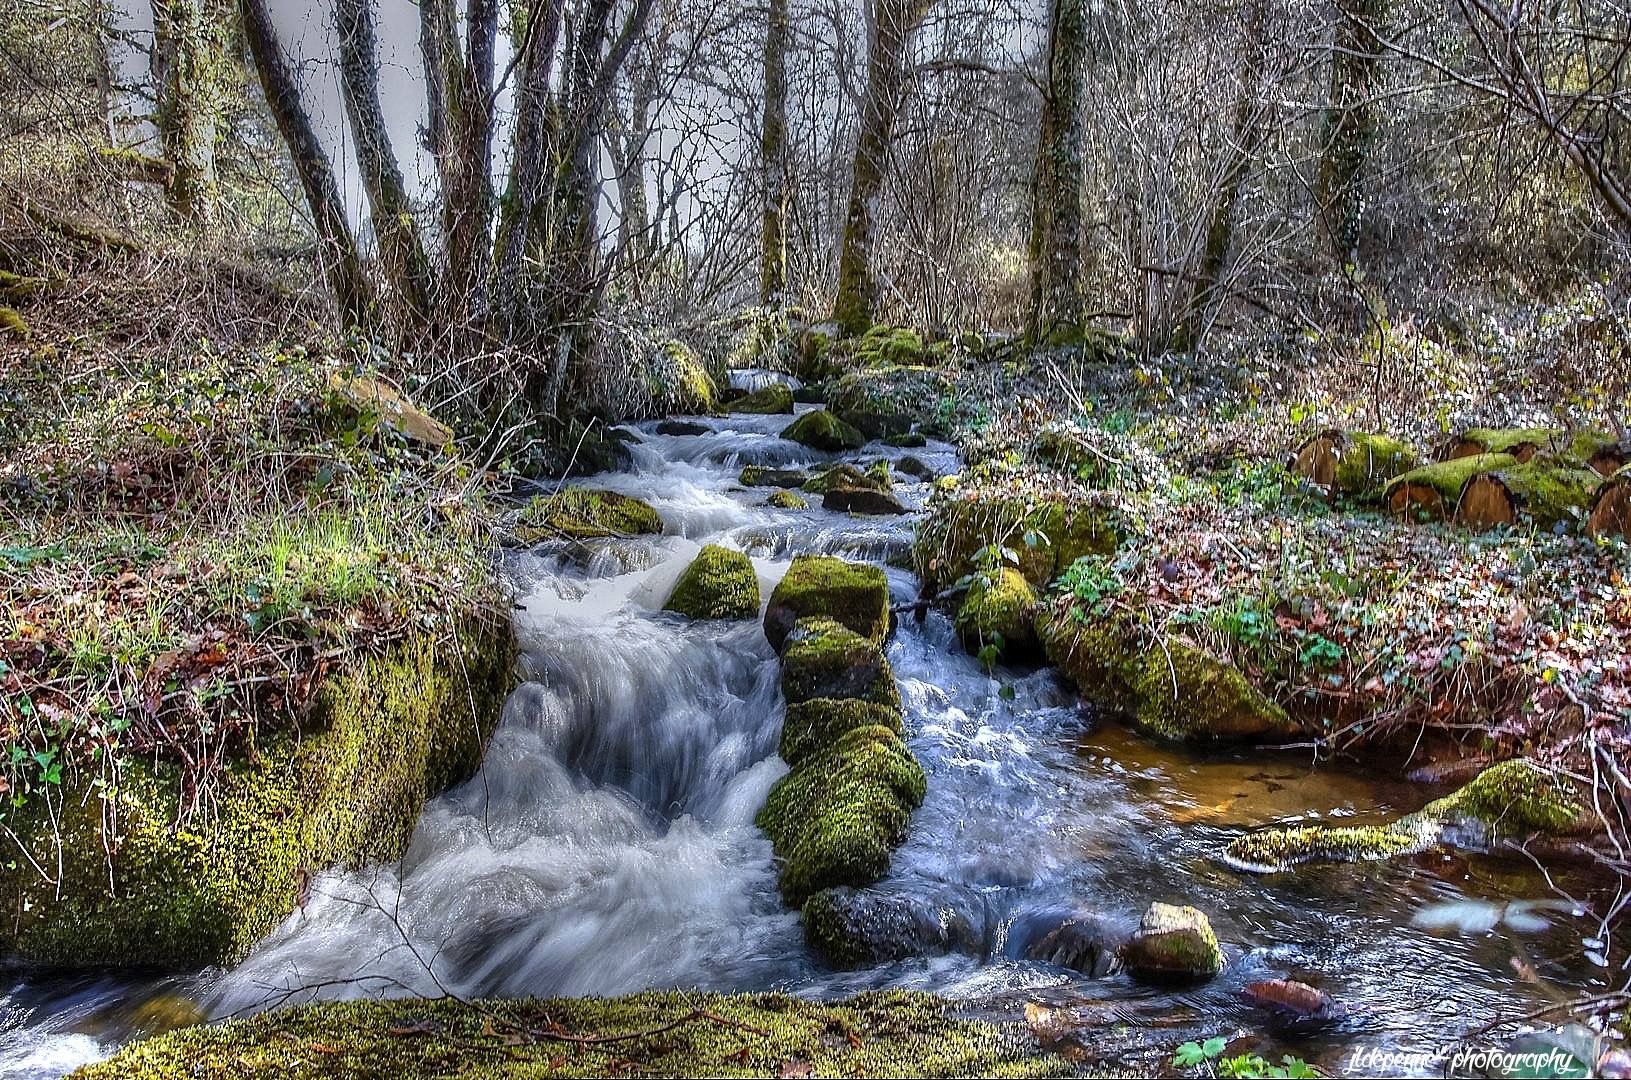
{"points": [[1056, 187], [189, 54], [892, 25], [1351, 123], [1220, 231], [341, 264], [773, 161], [395, 230]]}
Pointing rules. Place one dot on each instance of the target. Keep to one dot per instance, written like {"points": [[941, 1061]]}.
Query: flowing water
{"points": [[607, 844]]}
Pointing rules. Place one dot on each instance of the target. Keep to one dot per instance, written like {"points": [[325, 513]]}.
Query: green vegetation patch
{"points": [[824, 659], [719, 584], [586, 514], [821, 430], [661, 1033], [856, 595], [1046, 533], [773, 399], [817, 723]]}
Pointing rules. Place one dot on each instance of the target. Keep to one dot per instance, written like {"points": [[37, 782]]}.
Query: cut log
{"points": [[1540, 491], [1600, 451], [1433, 491], [1352, 463], [1611, 509], [1521, 443]]}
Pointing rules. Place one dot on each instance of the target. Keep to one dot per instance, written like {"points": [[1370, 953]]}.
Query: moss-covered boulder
{"points": [[1173, 944], [1352, 463], [856, 595], [1171, 688], [910, 440], [884, 346], [773, 399], [1045, 534], [679, 381], [852, 928], [891, 400], [816, 359], [719, 584], [657, 1033], [585, 514], [1540, 492], [998, 612], [764, 476], [384, 735], [844, 475], [815, 723], [846, 499], [788, 500], [1433, 491], [835, 818], [1512, 801], [823, 659], [821, 430]]}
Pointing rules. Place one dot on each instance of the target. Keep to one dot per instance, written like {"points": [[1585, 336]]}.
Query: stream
{"points": [[607, 844]]}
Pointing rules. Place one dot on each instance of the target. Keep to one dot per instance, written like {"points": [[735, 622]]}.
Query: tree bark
{"points": [[893, 22], [400, 247], [773, 161], [342, 265], [189, 54], [1351, 123], [1056, 185]]}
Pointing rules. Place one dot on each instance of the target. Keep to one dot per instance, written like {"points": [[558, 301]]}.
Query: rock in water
{"points": [[821, 430], [682, 427], [855, 594], [1084, 943], [1289, 995], [861, 500], [763, 476], [787, 500], [775, 398], [861, 927], [1173, 944], [719, 584]]}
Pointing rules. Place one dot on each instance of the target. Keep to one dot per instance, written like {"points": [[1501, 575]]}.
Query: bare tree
{"points": [[189, 58], [1056, 188], [773, 162]]}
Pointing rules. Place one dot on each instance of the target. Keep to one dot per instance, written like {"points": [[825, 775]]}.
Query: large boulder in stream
{"points": [[852, 928], [1173, 944], [819, 722], [578, 513], [719, 584], [773, 399], [821, 430], [1045, 533], [997, 614], [822, 658], [1513, 801], [856, 595], [103, 877]]}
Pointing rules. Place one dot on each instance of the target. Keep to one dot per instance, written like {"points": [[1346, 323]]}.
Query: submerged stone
{"points": [[1173, 944], [719, 584], [861, 927]]}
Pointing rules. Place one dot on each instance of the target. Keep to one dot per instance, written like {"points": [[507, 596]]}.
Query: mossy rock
{"points": [[1521, 443], [816, 359], [845, 475], [852, 928], [1060, 530], [788, 500], [384, 735], [1173, 944], [1433, 491], [680, 381], [1099, 656], [998, 611], [1511, 801], [1353, 463], [835, 819], [886, 346], [773, 399], [586, 514], [821, 430], [856, 595], [719, 584], [680, 1033], [891, 400], [823, 659], [1538, 492], [764, 476], [1184, 692], [862, 500], [813, 724], [910, 440]]}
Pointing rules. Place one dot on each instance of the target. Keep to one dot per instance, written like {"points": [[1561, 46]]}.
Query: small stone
{"points": [[1173, 944], [788, 500]]}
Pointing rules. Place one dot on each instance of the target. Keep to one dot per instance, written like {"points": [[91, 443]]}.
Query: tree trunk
{"points": [[773, 161], [395, 230], [893, 22], [341, 264], [1056, 185], [1220, 230], [189, 54], [1351, 122]]}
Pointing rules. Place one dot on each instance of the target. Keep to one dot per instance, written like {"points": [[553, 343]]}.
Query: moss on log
{"points": [[1432, 491], [1354, 464], [1611, 507], [1521, 443], [1537, 491]]}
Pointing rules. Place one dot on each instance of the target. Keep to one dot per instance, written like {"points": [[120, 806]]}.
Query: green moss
{"points": [[760, 476], [683, 382], [893, 1033], [835, 818], [1512, 799], [891, 400], [1547, 493], [719, 584], [1444, 479], [775, 398], [814, 724], [1515, 441], [821, 430], [585, 514], [1061, 530], [816, 360], [997, 610], [1185, 693], [1282, 848], [845, 475], [823, 659], [1100, 657], [1367, 462], [1173, 943], [14, 324], [854, 594], [884, 345], [788, 500], [384, 736], [910, 440]]}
